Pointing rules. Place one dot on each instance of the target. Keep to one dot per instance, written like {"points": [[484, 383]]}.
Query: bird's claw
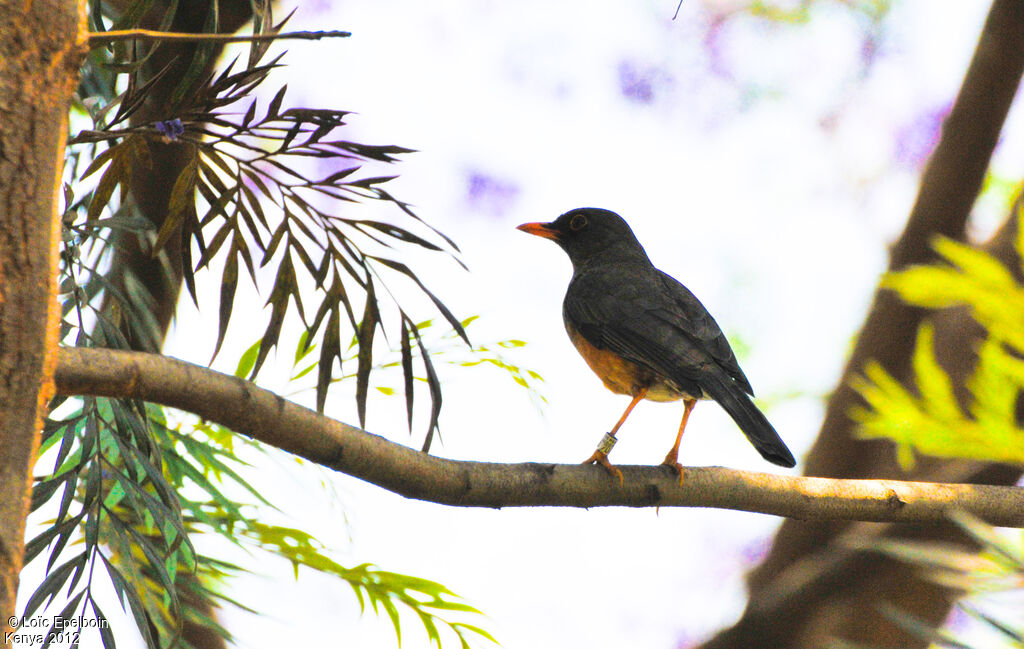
{"points": [[600, 457], [674, 464]]}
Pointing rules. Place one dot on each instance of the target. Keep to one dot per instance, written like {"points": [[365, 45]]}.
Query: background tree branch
{"points": [[801, 595], [265, 416]]}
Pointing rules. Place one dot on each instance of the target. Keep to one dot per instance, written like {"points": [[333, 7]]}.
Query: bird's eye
{"points": [[577, 223]]}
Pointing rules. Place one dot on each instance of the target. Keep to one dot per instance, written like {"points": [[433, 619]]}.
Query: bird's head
{"points": [[587, 234]]}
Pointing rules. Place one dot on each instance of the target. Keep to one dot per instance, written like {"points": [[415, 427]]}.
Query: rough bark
{"points": [[802, 595], [41, 48], [264, 416]]}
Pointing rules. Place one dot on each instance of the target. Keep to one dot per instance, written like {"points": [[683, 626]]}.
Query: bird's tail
{"points": [[751, 421]]}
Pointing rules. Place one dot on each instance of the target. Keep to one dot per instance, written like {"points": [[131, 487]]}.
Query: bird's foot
{"points": [[673, 463], [600, 457]]}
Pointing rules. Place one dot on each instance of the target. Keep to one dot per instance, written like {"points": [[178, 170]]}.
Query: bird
{"points": [[646, 335]]}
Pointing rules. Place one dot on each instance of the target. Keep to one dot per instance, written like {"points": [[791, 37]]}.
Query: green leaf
{"points": [[248, 360], [367, 329], [402, 268], [934, 384], [228, 284], [330, 349], [116, 174], [434, 385], [103, 625], [182, 201], [67, 613], [407, 373], [128, 592], [284, 287], [50, 586], [275, 104], [62, 531]]}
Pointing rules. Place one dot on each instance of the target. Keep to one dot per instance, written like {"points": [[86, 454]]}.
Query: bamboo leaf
{"points": [[54, 581], [275, 104], [367, 329], [407, 373], [182, 197], [228, 284], [330, 348], [248, 360], [284, 285], [435, 390], [452, 320], [116, 174], [106, 634]]}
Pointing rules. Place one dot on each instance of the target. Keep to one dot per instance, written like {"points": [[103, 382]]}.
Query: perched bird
{"points": [[645, 334]]}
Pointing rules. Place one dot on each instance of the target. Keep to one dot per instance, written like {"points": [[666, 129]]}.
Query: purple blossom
{"points": [[490, 194], [636, 84], [916, 140], [171, 129]]}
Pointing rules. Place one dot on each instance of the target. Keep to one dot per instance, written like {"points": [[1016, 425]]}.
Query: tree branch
{"points": [[840, 599], [99, 39], [265, 416]]}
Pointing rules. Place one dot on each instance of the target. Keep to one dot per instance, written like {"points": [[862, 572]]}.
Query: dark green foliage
{"points": [[236, 167], [127, 488]]}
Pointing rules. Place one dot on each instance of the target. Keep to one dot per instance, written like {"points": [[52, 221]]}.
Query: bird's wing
{"points": [[653, 321], [691, 316]]}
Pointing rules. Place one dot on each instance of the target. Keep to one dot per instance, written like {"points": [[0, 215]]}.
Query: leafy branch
{"points": [[384, 591], [932, 421], [237, 167], [259, 186]]}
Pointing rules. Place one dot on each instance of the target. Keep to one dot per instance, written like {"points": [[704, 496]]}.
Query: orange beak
{"points": [[539, 229]]}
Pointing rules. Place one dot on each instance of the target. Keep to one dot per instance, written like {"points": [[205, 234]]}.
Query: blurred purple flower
{"points": [[915, 140], [755, 551], [489, 194], [958, 620], [637, 84], [869, 50], [714, 46]]}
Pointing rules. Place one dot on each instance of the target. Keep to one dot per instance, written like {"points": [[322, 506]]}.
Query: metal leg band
{"points": [[607, 443]]}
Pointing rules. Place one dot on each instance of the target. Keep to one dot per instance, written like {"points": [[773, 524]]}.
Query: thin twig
{"points": [[271, 419], [98, 39]]}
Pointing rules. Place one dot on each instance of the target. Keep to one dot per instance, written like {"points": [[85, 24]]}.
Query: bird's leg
{"points": [[600, 455], [672, 458]]}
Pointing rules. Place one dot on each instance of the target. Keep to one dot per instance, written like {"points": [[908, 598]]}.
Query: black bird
{"points": [[645, 334]]}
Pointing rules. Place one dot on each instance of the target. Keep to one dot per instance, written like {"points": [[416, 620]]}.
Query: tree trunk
{"points": [[811, 588], [41, 49]]}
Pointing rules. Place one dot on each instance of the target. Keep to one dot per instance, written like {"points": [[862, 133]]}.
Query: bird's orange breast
{"points": [[620, 375]]}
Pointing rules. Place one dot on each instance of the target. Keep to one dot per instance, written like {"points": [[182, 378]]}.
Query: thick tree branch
{"points": [[264, 416], [841, 598]]}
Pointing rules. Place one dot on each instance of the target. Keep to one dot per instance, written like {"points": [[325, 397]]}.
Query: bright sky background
{"points": [[764, 165]]}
